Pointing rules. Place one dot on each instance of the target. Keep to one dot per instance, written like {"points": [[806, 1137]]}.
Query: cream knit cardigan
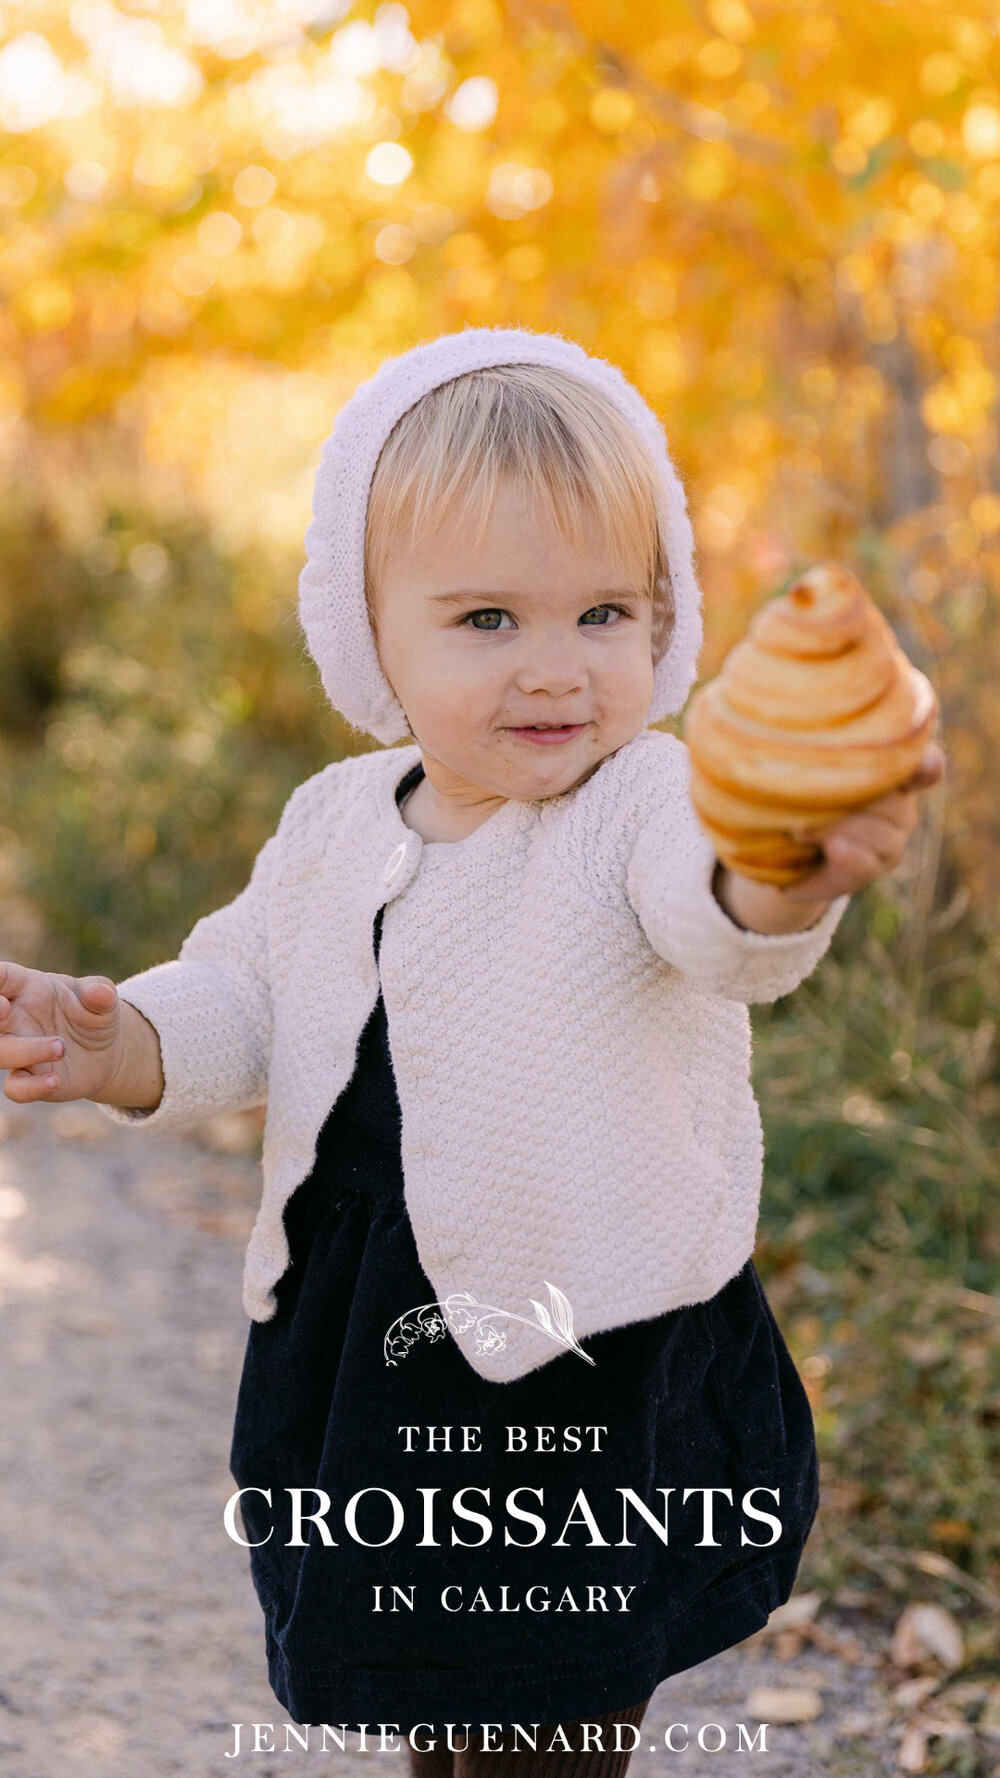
{"points": [[566, 1004], [566, 1000]]}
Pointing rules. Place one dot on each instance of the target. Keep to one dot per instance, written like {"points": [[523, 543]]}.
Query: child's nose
{"points": [[556, 665]]}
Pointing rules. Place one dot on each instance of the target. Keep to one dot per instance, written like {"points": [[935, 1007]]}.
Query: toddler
{"points": [[507, 1338]]}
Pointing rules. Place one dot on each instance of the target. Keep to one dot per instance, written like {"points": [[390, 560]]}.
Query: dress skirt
{"points": [[427, 1605]]}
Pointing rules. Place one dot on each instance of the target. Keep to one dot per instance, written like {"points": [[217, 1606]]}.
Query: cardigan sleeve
{"points": [[669, 884], [211, 1007]]}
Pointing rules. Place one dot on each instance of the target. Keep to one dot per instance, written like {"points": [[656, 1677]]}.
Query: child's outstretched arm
{"points": [[174, 1043], [211, 1009], [700, 917]]}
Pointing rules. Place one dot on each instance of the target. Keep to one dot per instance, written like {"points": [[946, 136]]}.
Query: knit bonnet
{"points": [[332, 608]]}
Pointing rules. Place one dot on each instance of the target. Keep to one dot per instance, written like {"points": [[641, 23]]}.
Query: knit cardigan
{"points": [[567, 1013]]}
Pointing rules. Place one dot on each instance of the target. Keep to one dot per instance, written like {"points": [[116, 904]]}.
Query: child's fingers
{"points": [[858, 858], [930, 769], [24, 1087], [837, 876], [29, 1052], [877, 834]]}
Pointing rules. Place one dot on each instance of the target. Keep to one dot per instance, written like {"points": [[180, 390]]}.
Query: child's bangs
{"points": [[567, 444]]}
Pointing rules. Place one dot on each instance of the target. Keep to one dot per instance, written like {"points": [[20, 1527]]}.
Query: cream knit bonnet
{"points": [[332, 607]]}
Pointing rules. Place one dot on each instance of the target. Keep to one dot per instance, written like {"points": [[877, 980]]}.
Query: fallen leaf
{"points": [[925, 1629], [953, 1728], [912, 1755], [989, 1717], [780, 1704], [914, 1691], [848, 1648], [801, 1608]]}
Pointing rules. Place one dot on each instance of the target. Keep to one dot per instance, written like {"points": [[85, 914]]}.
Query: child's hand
{"points": [[871, 841], [66, 1037]]}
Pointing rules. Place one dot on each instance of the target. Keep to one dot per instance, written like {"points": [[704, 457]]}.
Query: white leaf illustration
{"points": [[561, 1312], [542, 1313]]}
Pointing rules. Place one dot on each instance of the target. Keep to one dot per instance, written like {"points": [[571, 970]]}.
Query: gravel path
{"points": [[130, 1636]]}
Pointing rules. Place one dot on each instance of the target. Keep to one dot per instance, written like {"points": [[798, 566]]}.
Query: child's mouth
{"points": [[547, 736]]}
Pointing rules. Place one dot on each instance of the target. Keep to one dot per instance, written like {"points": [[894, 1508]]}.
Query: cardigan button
{"points": [[393, 865]]}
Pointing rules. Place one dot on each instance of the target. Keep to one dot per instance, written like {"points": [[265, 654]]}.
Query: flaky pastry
{"points": [[816, 712]]}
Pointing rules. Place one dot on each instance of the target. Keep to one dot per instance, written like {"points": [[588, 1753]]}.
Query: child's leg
{"points": [[602, 1760]]}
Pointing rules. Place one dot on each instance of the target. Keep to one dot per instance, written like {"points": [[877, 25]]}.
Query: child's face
{"points": [[478, 643]]}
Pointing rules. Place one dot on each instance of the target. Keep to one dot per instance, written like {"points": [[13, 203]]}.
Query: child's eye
{"points": [[494, 611], [486, 611], [619, 608]]}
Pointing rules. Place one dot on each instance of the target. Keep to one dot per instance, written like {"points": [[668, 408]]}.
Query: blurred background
{"points": [[782, 223]]}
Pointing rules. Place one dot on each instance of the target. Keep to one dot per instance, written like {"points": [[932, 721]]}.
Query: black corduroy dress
{"points": [[420, 1608]]}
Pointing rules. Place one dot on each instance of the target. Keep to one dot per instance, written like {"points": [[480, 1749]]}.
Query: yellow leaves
{"points": [[472, 280], [86, 180], [752, 432], [661, 58], [708, 170], [736, 372], [751, 98], [719, 58], [871, 122], [473, 287], [464, 249], [112, 308], [548, 116], [964, 399], [389, 163], [32, 83], [479, 18], [940, 73], [981, 131], [473, 104], [514, 189], [732, 19], [44, 305], [926, 201], [525, 263], [286, 236], [653, 289], [818, 382], [818, 30], [395, 243], [219, 233], [254, 186], [856, 272], [726, 509], [392, 296], [849, 157], [162, 165], [612, 109], [661, 362], [193, 274], [426, 79], [962, 214], [984, 511], [926, 137], [18, 185]]}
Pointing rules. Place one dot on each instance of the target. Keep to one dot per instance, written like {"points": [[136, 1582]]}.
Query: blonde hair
{"points": [[546, 428]]}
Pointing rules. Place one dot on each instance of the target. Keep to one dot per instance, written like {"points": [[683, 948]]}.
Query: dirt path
{"points": [[130, 1636]]}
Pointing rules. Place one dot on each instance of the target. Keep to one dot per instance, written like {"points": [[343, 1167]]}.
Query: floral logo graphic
{"points": [[461, 1312]]}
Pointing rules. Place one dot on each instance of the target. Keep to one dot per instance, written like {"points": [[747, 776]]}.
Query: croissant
{"points": [[814, 713]]}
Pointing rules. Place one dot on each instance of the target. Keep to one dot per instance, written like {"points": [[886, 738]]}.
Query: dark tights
{"points": [[508, 1756]]}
